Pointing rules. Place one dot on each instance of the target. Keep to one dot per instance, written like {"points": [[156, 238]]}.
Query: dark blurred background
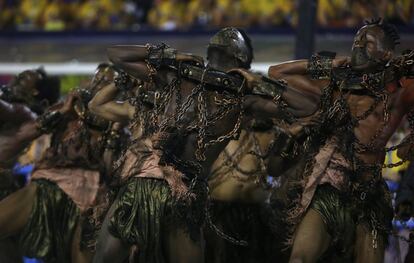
{"points": [[69, 37], [79, 30]]}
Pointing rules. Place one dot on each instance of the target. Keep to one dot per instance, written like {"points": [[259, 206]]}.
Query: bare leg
{"points": [[15, 210], [78, 255], [180, 248], [109, 248], [311, 239], [364, 251]]}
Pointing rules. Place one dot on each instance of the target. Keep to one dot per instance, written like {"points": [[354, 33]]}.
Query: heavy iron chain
{"points": [[378, 226], [202, 122], [370, 146], [218, 231], [236, 129], [233, 160], [180, 111], [359, 147], [162, 99]]}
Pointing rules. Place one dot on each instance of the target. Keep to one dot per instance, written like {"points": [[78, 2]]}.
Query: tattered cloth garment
{"points": [[80, 185], [49, 230], [325, 171], [142, 161]]}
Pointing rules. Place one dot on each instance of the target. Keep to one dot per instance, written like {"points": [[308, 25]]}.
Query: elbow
{"points": [[92, 106], [275, 72], [113, 54]]}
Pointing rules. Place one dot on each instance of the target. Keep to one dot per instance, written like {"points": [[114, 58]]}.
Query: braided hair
{"points": [[391, 35]]}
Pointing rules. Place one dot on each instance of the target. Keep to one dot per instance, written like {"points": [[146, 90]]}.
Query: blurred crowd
{"points": [[58, 15]]}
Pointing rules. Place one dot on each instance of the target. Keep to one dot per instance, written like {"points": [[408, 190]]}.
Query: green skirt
{"points": [[142, 207], [51, 225], [342, 213]]}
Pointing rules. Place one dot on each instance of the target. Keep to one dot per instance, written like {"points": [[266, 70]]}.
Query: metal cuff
{"points": [[320, 67], [270, 88], [161, 55], [274, 89], [124, 82], [47, 122], [408, 64]]}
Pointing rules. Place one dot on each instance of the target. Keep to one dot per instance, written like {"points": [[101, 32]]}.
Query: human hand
{"points": [[251, 78]]}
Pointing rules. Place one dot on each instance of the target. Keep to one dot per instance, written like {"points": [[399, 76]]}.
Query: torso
{"points": [[74, 146], [238, 175], [375, 129], [8, 130], [185, 145]]}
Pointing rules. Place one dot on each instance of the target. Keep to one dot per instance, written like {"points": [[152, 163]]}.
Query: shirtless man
{"points": [[240, 190], [65, 181], [27, 95], [344, 206], [20, 101], [181, 140]]}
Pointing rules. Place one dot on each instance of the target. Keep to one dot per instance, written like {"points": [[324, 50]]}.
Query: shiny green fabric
{"points": [[341, 214], [337, 216], [143, 206], [51, 225]]}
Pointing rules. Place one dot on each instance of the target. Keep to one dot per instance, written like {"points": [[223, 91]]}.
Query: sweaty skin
{"points": [[131, 59], [240, 184], [17, 130], [312, 239], [17, 207]]}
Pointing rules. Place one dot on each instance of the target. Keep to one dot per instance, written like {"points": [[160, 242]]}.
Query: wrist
{"points": [[320, 67], [124, 82], [48, 121], [161, 55]]}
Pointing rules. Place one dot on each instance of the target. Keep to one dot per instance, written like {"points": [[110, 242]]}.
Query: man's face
{"points": [[368, 50], [24, 84]]}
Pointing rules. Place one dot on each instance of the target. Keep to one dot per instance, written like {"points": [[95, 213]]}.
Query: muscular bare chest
{"points": [[376, 117]]}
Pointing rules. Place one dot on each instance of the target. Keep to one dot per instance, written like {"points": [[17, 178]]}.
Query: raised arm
{"points": [[30, 130], [131, 59], [317, 67], [141, 61], [104, 105], [294, 67], [15, 113], [262, 107], [274, 99], [13, 146]]}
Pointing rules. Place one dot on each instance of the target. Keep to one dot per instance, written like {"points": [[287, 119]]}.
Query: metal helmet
{"points": [[234, 42]]}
